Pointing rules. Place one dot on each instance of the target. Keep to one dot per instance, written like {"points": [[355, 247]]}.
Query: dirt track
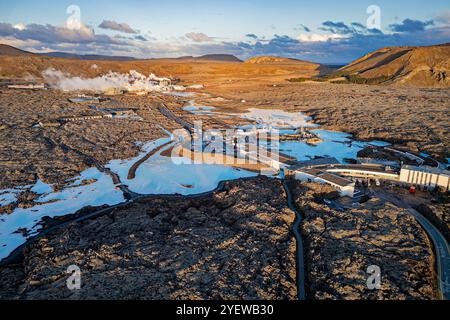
{"points": [[136, 165]]}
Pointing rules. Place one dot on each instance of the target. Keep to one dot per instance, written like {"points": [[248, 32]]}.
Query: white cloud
{"points": [[315, 37], [18, 43], [20, 26], [121, 27], [333, 47], [198, 37], [443, 18]]}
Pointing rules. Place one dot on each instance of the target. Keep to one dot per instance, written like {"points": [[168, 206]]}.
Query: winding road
{"points": [[442, 250], [301, 294], [441, 247]]}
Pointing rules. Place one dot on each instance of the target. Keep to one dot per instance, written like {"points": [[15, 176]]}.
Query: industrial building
{"points": [[84, 118], [345, 186], [328, 171], [327, 161], [427, 177], [371, 171], [30, 86]]}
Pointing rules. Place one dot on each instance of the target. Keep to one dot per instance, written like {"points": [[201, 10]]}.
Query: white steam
{"points": [[131, 82]]}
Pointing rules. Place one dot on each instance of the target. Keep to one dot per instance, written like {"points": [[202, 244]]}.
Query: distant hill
{"points": [[213, 57], [418, 66], [19, 64], [208, 57], [87, 56], [6, 50], [11, 51], [292, 63], [275, 60]]}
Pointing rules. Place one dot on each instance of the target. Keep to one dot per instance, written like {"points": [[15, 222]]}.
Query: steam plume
{"points": [[132, 82]]}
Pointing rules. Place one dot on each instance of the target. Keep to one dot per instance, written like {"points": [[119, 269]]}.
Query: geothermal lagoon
{"points": [[159, 175]]}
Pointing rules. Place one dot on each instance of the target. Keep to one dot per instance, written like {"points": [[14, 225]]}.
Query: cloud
{"points": [[409, 25], [19, 26], [443, 18], [252, 36], [341, 28], [338, 42], [140, 38], [354, 41], [198, 37], [302, 27], [18, 43], [314, 37], [53, 34], [336, 27], [121, 27], [47, 38], [359, 28]]}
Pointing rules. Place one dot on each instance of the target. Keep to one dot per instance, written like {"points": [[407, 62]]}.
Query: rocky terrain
{"points": [[54, 154], [438, 214], [267, 60], [340, 246], [294, 63], [235, 243], [412, 117], [404, 115], [232, 244], [419, 66]]}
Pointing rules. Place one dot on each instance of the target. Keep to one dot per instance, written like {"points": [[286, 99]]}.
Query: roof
{"points": [[332, 178], [314, 163], [335, 179], [358, 167]]}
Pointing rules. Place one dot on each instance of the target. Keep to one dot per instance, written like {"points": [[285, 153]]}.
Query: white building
{"points": [[426, 177], [345, 187], [365, 171], [30, 86]]}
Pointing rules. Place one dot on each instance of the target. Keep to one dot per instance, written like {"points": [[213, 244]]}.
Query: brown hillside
{"points": [[276, 60], [418, 66], [189, 70], [6, 50]]}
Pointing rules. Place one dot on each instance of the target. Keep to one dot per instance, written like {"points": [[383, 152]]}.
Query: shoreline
{"points": [[16, 257], [77, 217]]}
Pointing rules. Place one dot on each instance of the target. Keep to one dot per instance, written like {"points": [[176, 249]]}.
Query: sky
{"points": [[323, 31]]}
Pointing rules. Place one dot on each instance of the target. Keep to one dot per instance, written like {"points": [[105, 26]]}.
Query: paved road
{"points": [[171, 116], [301, 294], [440, 243]]}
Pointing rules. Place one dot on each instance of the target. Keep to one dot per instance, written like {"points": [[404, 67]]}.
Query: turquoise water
{"points": [[158, 175], [200, 110], [335, 144]]}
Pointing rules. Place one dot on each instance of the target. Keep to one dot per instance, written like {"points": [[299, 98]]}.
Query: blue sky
{"points": [[174, 28]]}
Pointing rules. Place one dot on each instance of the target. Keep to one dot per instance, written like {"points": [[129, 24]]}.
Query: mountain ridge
{"points": [[427, 66], [13, 51]]}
